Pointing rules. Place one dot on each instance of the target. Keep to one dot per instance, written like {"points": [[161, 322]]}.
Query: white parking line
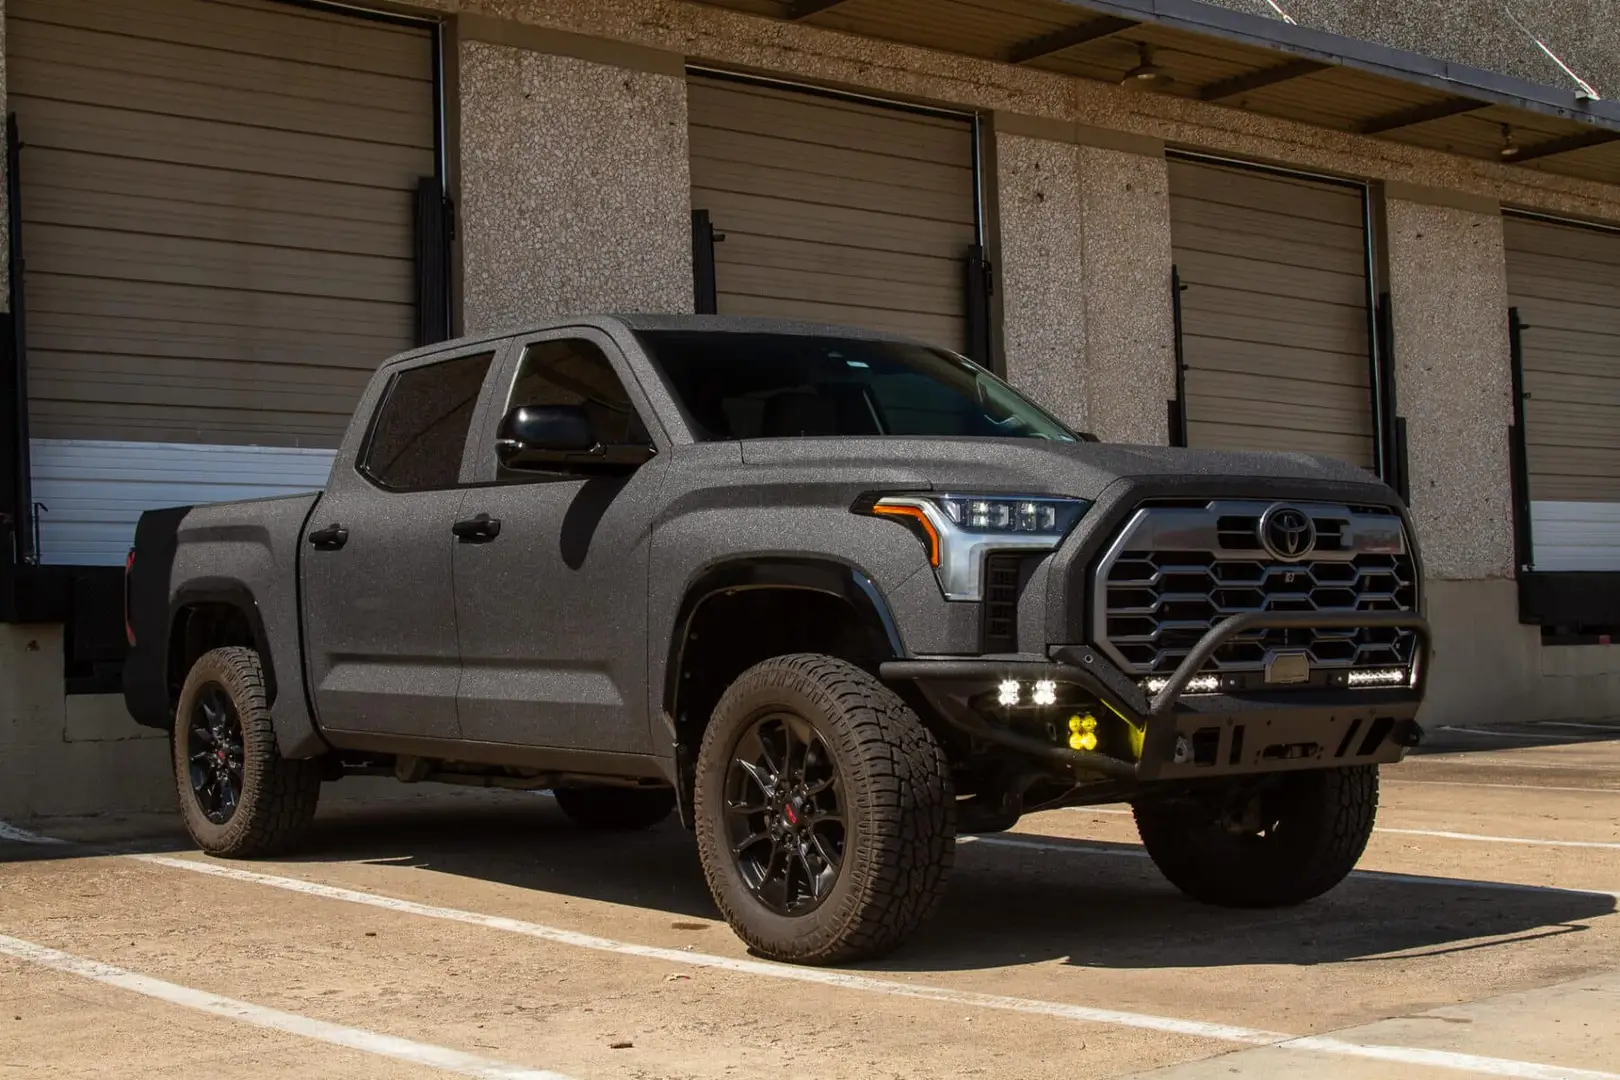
{"points": [[369, 1042], [1469, 1063], [9, 831], [845, 980], [1528, 789], [1526, 736], [1483, 838]]}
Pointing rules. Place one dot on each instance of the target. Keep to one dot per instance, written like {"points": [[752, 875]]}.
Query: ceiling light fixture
{"points": [[1146, 75], [1510, 149]]}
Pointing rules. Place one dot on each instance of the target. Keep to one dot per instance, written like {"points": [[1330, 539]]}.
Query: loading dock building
{"points": [[1173, 222]]}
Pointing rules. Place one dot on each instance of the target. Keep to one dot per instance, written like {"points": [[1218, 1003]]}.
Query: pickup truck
{"points": [[833, 596]]}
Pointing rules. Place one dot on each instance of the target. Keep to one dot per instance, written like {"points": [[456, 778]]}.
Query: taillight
{"points": [[129, 569]]}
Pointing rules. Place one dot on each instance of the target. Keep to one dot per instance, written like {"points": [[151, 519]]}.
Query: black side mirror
{"points": [[558, 438]]}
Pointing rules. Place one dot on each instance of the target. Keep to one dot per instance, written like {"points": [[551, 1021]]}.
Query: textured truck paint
{"points": [[560, 632]]}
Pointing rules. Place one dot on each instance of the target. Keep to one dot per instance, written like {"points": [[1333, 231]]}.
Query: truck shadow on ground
{"points": [[1093, 904]]}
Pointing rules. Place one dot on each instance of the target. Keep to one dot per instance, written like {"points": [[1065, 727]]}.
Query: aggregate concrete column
{"points": [[1085, 276], [574, 177], [1448, 289]]}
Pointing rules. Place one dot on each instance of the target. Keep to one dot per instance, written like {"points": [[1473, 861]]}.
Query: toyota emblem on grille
{"points": [[1287, 532]]}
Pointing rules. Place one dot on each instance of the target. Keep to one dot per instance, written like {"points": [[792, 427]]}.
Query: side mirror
{"points": [[558, 438]]}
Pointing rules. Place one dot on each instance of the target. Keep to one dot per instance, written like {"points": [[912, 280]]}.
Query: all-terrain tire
{"points": [[277, 799], [897, 800], [615, 809], [1316, 822]]}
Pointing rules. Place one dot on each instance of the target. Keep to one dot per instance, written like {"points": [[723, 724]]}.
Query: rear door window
{"points": [[420, 433]]}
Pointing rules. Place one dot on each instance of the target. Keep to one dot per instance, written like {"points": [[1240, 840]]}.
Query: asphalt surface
{"points": [[429, 932]]}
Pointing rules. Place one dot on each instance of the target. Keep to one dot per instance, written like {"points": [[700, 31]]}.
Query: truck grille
{"points": [[1176, 570]]}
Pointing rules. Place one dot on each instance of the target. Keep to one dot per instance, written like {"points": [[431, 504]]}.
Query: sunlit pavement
{"points": [[436, 932]]}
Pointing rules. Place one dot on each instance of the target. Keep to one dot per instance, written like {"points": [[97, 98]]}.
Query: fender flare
{"points": [[234, 594], [808, 573]]}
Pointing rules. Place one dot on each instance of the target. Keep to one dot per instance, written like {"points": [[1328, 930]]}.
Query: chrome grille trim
{"points": [[1175, 570]]}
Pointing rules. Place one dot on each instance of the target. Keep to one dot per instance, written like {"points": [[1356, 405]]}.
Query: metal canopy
{"points": [[1253, 63]]}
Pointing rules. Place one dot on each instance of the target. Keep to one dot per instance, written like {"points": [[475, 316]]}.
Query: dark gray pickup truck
{"points": [[835, 596]]}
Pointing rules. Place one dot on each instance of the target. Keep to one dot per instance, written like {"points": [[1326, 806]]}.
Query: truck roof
{"points": [[716, 324]]}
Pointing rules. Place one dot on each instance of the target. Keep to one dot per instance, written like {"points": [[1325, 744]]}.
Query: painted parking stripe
{"points": [[9, 831], [369, 1042], [1469, 1063], [844, 980], [1483, 838], [1526, 788]]}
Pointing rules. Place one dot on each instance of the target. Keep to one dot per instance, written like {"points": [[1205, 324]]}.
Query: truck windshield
{"points": [[764, 386]]}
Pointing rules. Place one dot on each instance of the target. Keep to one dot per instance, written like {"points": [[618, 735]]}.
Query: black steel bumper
{"points": [[1202, 735]]}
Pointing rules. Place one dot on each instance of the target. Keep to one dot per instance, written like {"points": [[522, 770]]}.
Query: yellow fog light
{"points": [[1083, 732]]}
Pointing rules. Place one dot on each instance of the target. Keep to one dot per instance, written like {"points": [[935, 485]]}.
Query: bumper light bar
{"points": [[1198, 684], [1380, 677]]}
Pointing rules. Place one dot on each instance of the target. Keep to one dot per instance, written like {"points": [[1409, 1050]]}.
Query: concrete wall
{"points": [[1085, 277], [574, 184], [69, 755]]}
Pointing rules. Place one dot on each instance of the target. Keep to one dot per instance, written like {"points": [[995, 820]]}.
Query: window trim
{"points": [[484, 467], [493, 350]]}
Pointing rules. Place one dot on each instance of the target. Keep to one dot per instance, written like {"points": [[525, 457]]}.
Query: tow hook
{"points": [[1406, 733]]}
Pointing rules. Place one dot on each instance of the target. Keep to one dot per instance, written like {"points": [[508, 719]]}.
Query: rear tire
{"points": [[825, 812], [615, 809], [238, 795], [1300, 836]]}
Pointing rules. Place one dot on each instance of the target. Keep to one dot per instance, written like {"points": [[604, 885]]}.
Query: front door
{"points": [[552, 609], [380, 613]]}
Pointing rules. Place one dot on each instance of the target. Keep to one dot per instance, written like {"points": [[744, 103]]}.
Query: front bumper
{"points": [[1203, 735]]}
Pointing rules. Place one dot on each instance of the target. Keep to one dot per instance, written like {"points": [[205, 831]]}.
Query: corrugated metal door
{"points": [[1565, 281], [835, 210], [217, 202], [1274, 315]]}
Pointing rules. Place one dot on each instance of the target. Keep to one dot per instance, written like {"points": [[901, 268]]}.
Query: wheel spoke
{"points": [[773, 885], [762, 779], [749, 841], [768, 754], [832, 858], [820, 786]]}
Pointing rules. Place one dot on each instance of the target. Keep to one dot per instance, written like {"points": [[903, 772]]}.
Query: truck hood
{"points": [[1041, 467]]}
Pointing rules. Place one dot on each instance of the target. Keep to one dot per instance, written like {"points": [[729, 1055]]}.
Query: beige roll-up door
{"points": [[1565, 281], [835, 210], [217, 202], [1274, 313]]}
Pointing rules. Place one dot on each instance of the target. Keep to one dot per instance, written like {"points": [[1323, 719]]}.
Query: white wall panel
{"points": [[1576, 535], [94, 491]]}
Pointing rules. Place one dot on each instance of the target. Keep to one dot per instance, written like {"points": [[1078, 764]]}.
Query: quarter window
{"points": [[421, 429]]}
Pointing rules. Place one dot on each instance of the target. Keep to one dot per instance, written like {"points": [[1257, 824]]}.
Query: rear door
{"points": [[379, 608]]}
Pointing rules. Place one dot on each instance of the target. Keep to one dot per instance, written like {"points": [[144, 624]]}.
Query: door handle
{"points": [[479, 529], [330, 538]]}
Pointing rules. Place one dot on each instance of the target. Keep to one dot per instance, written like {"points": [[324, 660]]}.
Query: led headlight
{"points": [[959, 530]]}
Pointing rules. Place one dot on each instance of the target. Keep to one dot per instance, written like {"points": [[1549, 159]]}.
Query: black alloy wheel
{"points": [[214, 748], [784, 814]]}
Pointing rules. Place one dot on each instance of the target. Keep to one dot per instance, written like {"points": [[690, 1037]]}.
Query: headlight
{"points": [[960, 530]]}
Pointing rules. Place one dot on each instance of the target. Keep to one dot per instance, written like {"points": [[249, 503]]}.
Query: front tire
{"points": [[238, 795], [825, 812], [1290, 841], [615, 809]]}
